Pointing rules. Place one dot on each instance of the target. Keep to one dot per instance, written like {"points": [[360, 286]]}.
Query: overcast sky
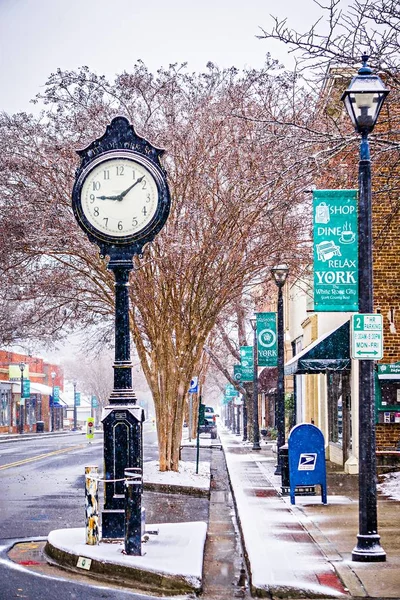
{"points": [[38, 36]]}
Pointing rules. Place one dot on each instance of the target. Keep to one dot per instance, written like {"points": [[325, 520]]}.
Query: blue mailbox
{"points": [[306, 459]]}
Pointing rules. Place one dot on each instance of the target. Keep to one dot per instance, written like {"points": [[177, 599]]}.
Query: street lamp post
{"points": [[363, 100], [75, 414], [21, 403], [280, 273], [53, 376], [256, 426]]}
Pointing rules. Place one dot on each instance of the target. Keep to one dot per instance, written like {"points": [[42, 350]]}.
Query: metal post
{"points": [[21, 403], [280, 389], [133, 511], [238, 420], [190, 416], [53, 375], [244, 419], [368, 548], [75, 412], [92, 505], [256, 426]]}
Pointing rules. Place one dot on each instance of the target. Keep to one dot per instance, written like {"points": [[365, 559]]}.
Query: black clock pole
{"points": [[123, 418]]}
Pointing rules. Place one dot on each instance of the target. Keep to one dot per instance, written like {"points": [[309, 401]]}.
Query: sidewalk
{"points": [[305, 550]]}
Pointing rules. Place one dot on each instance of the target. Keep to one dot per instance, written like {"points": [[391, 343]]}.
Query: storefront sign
{"points": [[247, 362], [335, 250], [267, 347], [14, 372], [389, 369]]}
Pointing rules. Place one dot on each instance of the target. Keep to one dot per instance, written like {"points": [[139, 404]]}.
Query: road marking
{"points": [[40, 456]]}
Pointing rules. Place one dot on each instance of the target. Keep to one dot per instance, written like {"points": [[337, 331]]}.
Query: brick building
{"points": [[39, 410]]}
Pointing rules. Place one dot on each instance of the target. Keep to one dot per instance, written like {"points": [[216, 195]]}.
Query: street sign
{"points": [[90, 428], [335, 250], [267, 346], [193, 388], [367, 337]]}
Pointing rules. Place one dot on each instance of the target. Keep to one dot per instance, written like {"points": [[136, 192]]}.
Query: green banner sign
{"points": [[267, 346], [335, 250], [247, 362], [26, 388], [94, 402], [230, 391], [56, 395], [77, 398], [237, 372]]}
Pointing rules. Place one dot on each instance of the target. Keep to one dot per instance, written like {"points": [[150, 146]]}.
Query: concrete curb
{"points": [[165, 488], [129, 577], [159, 570]]}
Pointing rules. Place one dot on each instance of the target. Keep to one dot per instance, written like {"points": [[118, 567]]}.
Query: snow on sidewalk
{"points": [[281, 554]]}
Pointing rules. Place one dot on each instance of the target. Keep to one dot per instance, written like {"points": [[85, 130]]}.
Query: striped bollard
{"points": [[92, 505]]}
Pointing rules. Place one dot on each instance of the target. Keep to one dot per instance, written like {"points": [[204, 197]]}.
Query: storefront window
{"points": [[339, 407], [5, 407], [389, 402]]}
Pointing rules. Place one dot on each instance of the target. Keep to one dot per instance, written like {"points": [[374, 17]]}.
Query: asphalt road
{"points": [[42, 489], [42, 481]]}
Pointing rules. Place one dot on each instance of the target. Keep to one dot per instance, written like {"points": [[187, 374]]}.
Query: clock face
{"points": [[119, 196]]}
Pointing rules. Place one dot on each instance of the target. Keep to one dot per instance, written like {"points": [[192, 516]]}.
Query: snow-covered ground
{"points": [[391, 485], [186, 477]]}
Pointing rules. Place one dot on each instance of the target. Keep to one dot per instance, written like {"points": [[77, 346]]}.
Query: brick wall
{"points": [[387, 435]]}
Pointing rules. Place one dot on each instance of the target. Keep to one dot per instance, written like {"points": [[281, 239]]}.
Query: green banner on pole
{"points": [[56, 395], [26, 388], [237, 372], [247, 362], [267, 347], [77, 398], [230, 391], [335, 250]]}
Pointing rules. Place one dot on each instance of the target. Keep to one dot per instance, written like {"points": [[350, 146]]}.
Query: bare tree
{"points": [[237, 208]]}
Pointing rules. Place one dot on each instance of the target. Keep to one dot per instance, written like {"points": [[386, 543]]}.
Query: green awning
{"points": [[330, 352]]}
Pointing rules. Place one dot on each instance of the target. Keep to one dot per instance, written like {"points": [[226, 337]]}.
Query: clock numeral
{"points": [[105, 219], [120, 170], [120, 226], [148, 198], [144, 210], [134, 222], [106, 173], [92, 198], [96, 211], [133, 174], [96, 186], [144, 184]]}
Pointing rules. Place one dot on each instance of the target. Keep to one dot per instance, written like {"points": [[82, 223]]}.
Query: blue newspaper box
{"points": [[306, 459]]}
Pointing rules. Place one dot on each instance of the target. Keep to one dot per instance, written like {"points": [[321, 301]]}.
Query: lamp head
{"points": [[22, 367], [280, 273], [364, 98]]}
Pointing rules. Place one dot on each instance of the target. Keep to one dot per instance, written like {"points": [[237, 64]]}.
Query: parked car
{"points": [[210, 424]]}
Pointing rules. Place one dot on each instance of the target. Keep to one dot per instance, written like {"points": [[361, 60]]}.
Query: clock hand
{"points": [[124, 193], [108, 197]]}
